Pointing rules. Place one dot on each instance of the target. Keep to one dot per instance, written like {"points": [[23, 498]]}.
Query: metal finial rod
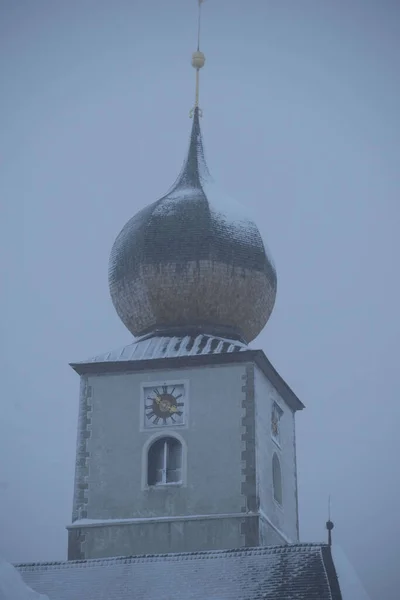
{"points": [[329, 507], [329, 524], [196, 102], [198, 60], [199, 25]]}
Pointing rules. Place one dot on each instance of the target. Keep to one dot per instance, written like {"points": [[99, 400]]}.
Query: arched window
{"points": [[164, 462], [277, 478]]}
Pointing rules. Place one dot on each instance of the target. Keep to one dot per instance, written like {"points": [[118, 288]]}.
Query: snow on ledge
{"points": [[12, 586], [138, 520]]}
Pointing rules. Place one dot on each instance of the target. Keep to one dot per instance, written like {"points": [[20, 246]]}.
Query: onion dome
{"points": [[192, 261]]}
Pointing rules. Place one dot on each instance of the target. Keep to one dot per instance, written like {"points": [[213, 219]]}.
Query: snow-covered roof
{"points": [[13, 587], [350, 584], [298, 571], [170, 347]]}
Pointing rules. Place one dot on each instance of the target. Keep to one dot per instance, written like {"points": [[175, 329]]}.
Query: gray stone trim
{"points": [[256, 356], [76, 539], [296, 493], [79, 510], [76, 544], [249, 527]]}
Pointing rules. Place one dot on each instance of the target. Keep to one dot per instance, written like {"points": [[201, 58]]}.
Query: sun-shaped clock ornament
{"points": [[164, 405]]}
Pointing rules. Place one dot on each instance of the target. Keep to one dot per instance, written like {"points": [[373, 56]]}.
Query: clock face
{"points": [[164, 405]]}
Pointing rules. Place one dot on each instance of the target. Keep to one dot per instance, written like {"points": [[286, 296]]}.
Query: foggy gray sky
{"points": [[301, 123]]}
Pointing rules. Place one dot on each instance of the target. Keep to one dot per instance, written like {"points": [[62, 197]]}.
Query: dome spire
{"points": [[192, 260], [198, 60]]}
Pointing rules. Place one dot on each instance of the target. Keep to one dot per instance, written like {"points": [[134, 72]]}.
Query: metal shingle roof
{"points": [[148, 352], [291, 572], [169, 347]]}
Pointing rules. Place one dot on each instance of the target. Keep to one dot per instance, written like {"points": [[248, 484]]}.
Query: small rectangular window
{"points": [[276, 415]]}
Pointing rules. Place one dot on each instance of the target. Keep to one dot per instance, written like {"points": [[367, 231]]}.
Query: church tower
{"points": [[186, 437]]}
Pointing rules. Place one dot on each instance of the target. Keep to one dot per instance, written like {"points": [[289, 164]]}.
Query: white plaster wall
{"points": [[285, 517], [160, 537], [213, 439]]}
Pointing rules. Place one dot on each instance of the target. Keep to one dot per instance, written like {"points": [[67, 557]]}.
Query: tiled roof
{"points": [[291, 572], [169, 347]]}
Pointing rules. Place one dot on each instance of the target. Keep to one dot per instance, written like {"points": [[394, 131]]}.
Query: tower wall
{"points": [[282, 517], [225, 498], [156, 536], [112, 444]]}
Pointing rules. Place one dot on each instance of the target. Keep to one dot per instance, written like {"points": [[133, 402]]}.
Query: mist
{"points": [[301, 124]]}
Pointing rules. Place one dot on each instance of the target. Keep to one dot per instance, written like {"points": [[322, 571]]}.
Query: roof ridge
{"points": [[204, 554]]}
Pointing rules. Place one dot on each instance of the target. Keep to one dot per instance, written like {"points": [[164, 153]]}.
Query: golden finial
{"points": [[198, 60]]}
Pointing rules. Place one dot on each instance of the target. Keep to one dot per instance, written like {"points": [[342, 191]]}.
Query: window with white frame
{"points": [[277, 478], [164, 462]]}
